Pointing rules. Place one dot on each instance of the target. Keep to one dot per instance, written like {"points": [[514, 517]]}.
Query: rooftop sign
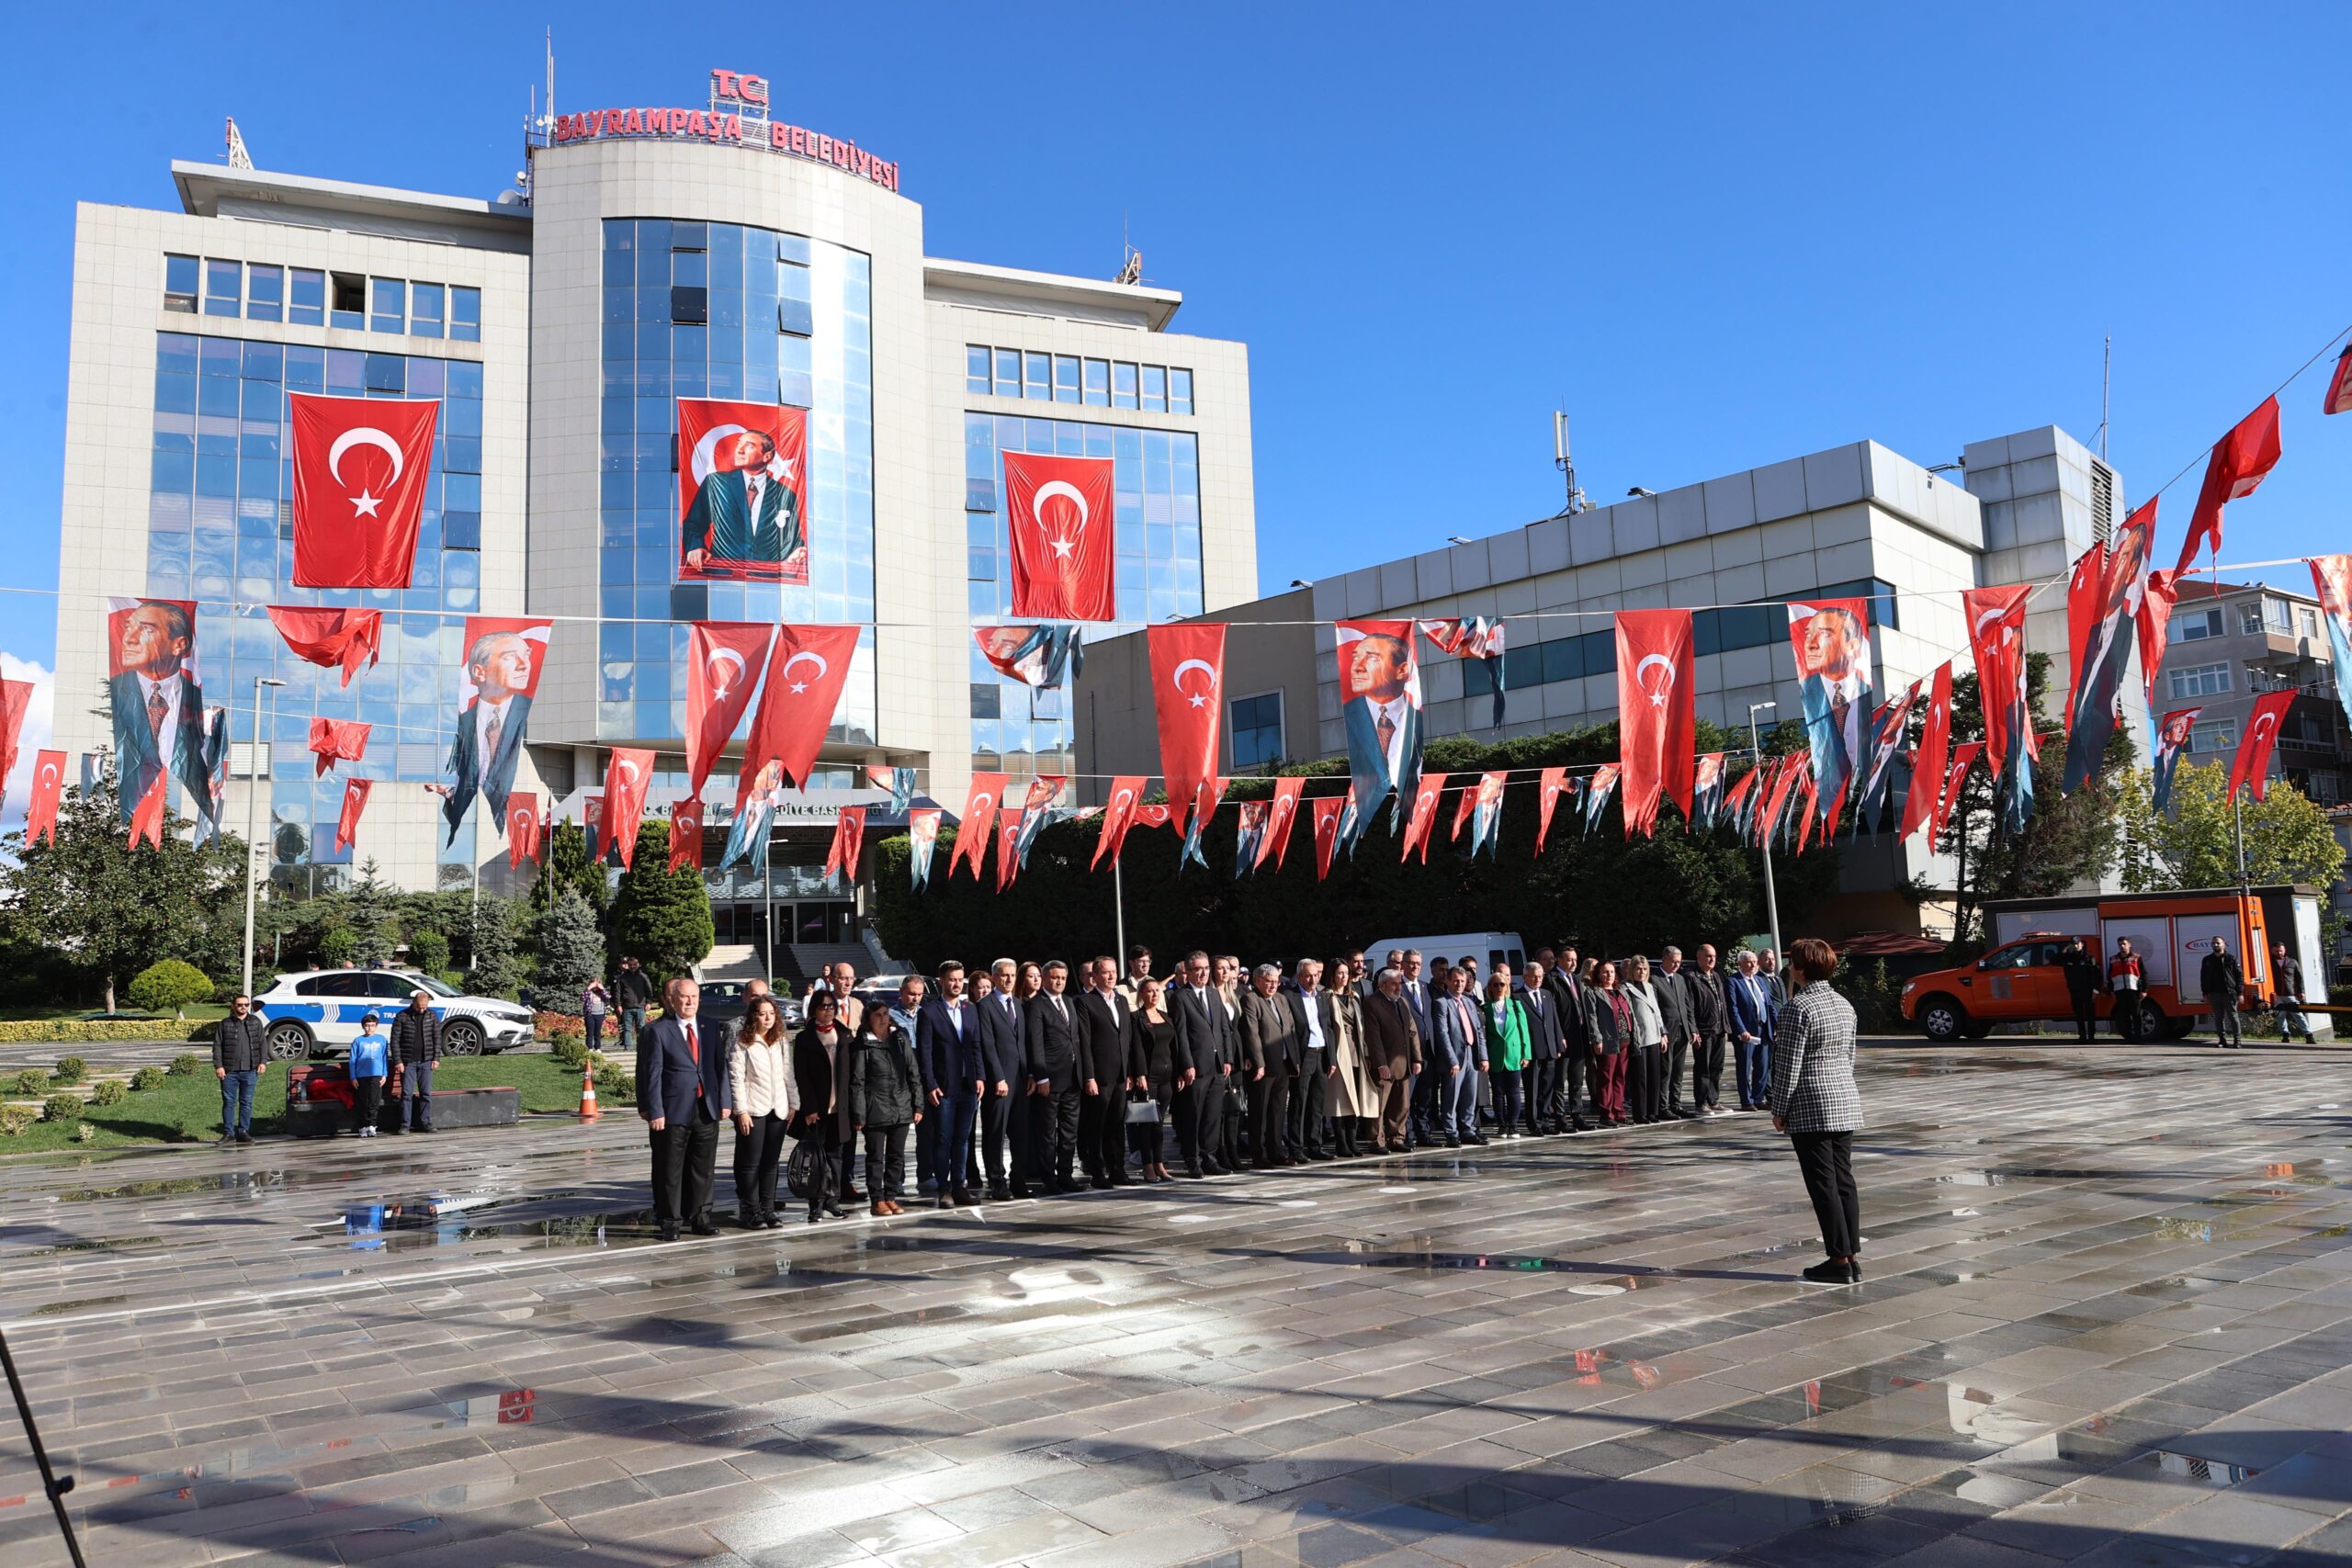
{"points": [[737, 117]]}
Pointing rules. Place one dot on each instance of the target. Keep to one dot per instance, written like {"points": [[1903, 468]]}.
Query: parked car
{"points": [[317, 1013]]}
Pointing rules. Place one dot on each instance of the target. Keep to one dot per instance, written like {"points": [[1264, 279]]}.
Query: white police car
{"points": [[318, 1012]]}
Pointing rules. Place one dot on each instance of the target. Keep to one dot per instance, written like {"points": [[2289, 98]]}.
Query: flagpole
{"points": [[767, 897], [253, 797], [1119, 914], [1764, 840]]}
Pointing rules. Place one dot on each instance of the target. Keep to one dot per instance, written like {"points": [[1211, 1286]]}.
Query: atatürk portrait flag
{"points": [[742, 491], [360, 467], [1656, 719], [1057, 513], [723, 662]]}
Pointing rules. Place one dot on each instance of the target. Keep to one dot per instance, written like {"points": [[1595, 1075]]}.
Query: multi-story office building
{"points": [[2230, 643], [652, 255], [1855, 521]]}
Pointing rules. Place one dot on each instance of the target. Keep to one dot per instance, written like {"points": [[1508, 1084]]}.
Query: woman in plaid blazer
{"points": [[1815, 1103]]}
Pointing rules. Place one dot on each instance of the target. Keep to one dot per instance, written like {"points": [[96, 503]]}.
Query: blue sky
{"points": [[1720, 235]]}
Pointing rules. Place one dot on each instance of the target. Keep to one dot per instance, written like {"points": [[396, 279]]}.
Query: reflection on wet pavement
{"points": [[2126, 1343]]}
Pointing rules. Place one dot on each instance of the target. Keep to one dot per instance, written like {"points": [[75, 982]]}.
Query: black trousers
{"points": [[685, 1164], [1826, 1162], [1004, 1153], [758, 1153], [1578, 1089], [1707, 1072], [1221, 1121], [1543, 1080], [366, 1101], [1054, 1119], [1641, 1075], [1305, 1125], [885, 1162], [1270, 1118], [827, 1180], [1102, 1132], [1676, 1061], [1184, 1110], [2085, 1013]]}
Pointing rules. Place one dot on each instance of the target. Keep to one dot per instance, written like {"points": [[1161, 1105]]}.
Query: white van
{"points": [[1490, 948]]}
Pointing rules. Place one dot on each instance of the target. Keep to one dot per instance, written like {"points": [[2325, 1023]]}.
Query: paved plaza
{"points": [[2108, 1319]]}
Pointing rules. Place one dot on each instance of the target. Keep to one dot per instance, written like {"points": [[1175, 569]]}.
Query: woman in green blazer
{"points": [[1507, 1031]]}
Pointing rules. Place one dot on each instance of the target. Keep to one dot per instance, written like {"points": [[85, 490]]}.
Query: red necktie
{"points": [[693, 1052]]}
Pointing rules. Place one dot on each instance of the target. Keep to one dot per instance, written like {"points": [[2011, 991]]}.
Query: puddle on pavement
{"points": [[2190, 1468], [452, 1219]]}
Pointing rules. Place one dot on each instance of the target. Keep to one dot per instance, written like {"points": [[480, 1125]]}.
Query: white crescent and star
{"points": [[1121, 801], [1198, 699], [630, 768], [703, 461], [817, 658], [981, 801], [1657, 695], [364, 505], [717, 668], [1051, 488]]}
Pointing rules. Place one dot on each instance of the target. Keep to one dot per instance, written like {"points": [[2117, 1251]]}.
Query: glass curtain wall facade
{"points": [[1156, 500], [220, 530], [725, 311]]}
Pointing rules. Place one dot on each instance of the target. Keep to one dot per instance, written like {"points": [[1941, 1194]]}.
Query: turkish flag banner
{"points": [[1188, 694], [980, 811], [1920, 802], [147, 816], [2338, 399], [1008, 849], [1552, 784], [1326, 831], [2159, 591], [1279, 818], [1963, 757], [1423, 817], [1057, 511], [337, 741], [522, 830], [2251, 767], [1462, 809], [1156, 814], [1118, 817], [806, 669], [346, 822], [723, 662], [15, 697], [1656, 721], [742, 491], [49, 783], [1997, 641], [351, 639], [627, 774], [1738, 800], [2240, 460], [849, 839], [360, 468], [685, 835], [1785, 783]]}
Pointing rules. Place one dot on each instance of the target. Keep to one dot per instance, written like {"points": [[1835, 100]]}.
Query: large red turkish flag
{"points": [[2251, 767], [1326, 830], [360, 466], [723, 659], [1552, 784], [1423, 816], [346, 822], [1188, 691], [1057, 511], [329, 638], [1935, 748], [337, 741], [980, 811], [849, 841], [627, 775], [685, 834], [2240, 461], [49, 782], [806, 667], [1656, 722]]}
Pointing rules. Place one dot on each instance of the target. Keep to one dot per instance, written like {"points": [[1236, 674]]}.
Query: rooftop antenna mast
{"points": [[2106, 385], [1130, 258], [238, 157], [1564, 461]]}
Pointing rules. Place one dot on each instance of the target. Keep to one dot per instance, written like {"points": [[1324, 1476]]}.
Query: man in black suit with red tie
{"points": [[1208, 1040], [1057, 1080], [683, 1094], [1107, 1037], [1004, 1067]]}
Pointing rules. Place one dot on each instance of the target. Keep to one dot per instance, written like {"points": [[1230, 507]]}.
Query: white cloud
{"points": [[35, 735]]}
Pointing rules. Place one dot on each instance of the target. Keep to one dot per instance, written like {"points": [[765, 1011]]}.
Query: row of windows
{"points": [[1067, 379], [1763, 625], [312, 296], [2254, 616], [2198, 680]]}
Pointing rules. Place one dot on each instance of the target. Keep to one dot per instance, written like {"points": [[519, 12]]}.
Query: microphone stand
{"points": [[50, 1481]]}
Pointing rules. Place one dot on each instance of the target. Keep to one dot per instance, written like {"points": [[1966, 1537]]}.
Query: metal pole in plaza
{"points": [[1119, 915], [767, 894], [255, 787], [1764, 841]]}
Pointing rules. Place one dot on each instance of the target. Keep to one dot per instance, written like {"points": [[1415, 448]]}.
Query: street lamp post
{"points": [[1764, 840], [255, 785]]}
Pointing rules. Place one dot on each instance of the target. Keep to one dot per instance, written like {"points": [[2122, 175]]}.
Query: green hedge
{"points": [[82, 1031]]}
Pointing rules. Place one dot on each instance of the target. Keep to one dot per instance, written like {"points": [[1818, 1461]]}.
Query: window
{"points": [[2250, 618], [308, 307], [179, 284], [1008, 372], [1180, 391], [1123, 386], [350, 304], [389, 302], [2196, 625], [975, 369], [2326, 787], [224, 291], [1037, 376], [265, 293], [2279, 614], [1155, 388], [2200, 681], [465, 314], [1256, 731], [1065, 378], [425, 302], [689, 305], [2220, 735], [985, 701], [1098, 383], [2306, 621]]}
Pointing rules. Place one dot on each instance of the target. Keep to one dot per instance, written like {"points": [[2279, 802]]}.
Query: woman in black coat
{"points": [[821, 1061]]}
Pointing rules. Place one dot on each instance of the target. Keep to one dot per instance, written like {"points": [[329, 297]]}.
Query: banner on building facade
{"points": [[360, 469], [1188, 698], [349, 640], [724, 660], [1057, 516], [1831, 639], [742, 491], [156, 696], [1380, 701], [503, 656], [1657, 714], [336, 740]]}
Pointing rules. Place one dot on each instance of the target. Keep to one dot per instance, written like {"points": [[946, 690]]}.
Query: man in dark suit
{"points": [[1416, 992], [1711, 1018], [1310, 1009], [1673, 988], [744, 512], [1106, 1033], [683, 1094], [1208, 1044], [1575, 1041], [1004, 1067], [158, 710], [1752, 1012], [499, 667], [1544, 1044], [1270, 1047], [1057, 1084], [1392, 1044], [1460, 1033], [947, 1050]]}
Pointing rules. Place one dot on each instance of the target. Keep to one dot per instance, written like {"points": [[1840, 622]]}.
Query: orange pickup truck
{"points": [[2024, 980]]}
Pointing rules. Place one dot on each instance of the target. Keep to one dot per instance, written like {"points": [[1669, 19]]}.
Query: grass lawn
{"points": [[187, 1110], [200, 1012]]}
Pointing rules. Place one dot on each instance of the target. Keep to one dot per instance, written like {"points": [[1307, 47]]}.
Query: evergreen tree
{"points": [[661, 920], [569, 866], [368, 909], [571, 950], [495, 971]]}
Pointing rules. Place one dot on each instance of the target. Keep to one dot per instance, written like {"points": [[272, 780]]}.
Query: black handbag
{"points": [[1143, 1111], [800, 1168]]}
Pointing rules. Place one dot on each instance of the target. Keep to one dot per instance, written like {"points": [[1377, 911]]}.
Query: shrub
{"points": [[429, 951], [83, 1133], [61, 1108], [338, 949], [109, 1091], [15, 1119], [32, 1080], [86, 1031], [185, 1062], [71, 1070], [570, 1050], [615, 1083], [146, 1078], [170, 986]]}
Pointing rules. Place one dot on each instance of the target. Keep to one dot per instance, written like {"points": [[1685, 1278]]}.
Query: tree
{"points": [[495, 972], [2287, 838], [571, 950], [171, 983], [661, 920], [111, 910], [569, 866], [368, 908], [428, 950]]}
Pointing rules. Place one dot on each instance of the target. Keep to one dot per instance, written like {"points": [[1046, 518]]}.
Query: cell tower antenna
{"points": [[1564, 460], [1130, 258]]}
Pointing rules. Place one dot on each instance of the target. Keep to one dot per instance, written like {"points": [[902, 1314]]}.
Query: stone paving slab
{"points": [[2107, 1321]]}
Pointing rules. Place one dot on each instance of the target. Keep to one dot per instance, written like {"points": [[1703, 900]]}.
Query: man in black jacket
{"points": [[240, 1056], [1106, 1033], [949, 1054], [1004, 1062], [415, 1046], [2223, 981], [1209, 1042], [1310, 1012], [1576, 1041], [2082, 987], [2287, 985], [1546, 1044], [1673, 987], [683, 1094], [635, 989], [1057, 1084], [1711, 1016]]}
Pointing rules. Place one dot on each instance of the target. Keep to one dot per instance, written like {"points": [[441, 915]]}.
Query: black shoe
{"points": [[964, 1197], [244, 1137], [668, 1232], [1193, 1173], [1021, 1192], [1827, 1273], [1453, 1143], [748, 1219], [944, 1200], [702, 1226], [772, 1221], [1477, 1138], [1002, 1194], [837, 1211]]}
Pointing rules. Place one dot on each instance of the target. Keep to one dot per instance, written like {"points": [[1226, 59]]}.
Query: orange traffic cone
{"points": [[587, 1094]]}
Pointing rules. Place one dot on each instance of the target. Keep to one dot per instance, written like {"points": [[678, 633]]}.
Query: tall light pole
{"points": [[1764, 840], [256, 783]]}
